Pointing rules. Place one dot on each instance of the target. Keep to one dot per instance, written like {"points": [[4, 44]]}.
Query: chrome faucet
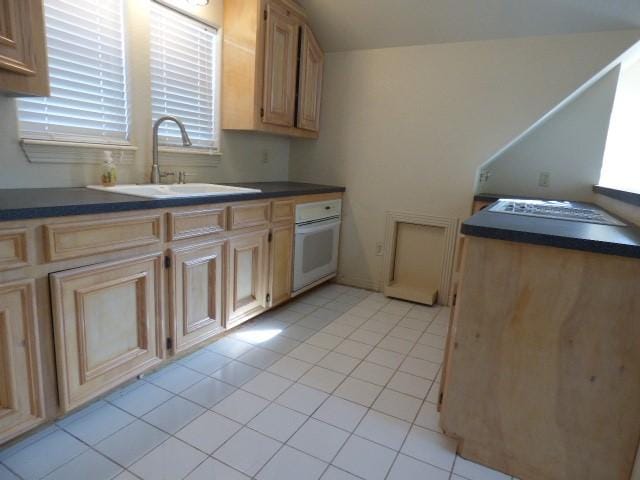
{"points": [[186, 141]]}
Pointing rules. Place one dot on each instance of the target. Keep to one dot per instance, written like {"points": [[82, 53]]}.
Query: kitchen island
{"points": [[543, 355]]}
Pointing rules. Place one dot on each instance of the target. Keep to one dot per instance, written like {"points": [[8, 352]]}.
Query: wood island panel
{"points": [[542, 370]]}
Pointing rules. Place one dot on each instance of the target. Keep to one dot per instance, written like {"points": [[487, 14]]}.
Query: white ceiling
{"points": [[363, 24]]}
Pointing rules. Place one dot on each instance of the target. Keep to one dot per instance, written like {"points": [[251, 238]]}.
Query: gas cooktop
{"points": [[575, 212]]}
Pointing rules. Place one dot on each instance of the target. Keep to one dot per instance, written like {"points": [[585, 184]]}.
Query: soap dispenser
{"points": [[108, 177]]}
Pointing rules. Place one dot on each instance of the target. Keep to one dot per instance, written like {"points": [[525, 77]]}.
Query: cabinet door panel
{"points": [[281, 259], [196, 294], [15, 44], [246, 276], [21, 398], [310, 82], [107, 325], [23, 55], [280, 65]]}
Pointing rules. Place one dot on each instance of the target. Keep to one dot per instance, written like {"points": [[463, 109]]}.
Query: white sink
{"points": [[175, 191]]}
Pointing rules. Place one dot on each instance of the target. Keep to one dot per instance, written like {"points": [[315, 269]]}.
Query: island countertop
{"points": [[612, 240], [28, 203]]}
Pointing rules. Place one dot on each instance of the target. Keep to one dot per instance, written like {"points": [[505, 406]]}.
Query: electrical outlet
{"points": [[484, 176], [265, 157], [544, 179], [379, 249]]}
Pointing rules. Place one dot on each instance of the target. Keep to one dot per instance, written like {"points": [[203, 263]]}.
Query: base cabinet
{"points": [[280, 264], [21, 397], [196, 289], [246, 276], [107, 325]]}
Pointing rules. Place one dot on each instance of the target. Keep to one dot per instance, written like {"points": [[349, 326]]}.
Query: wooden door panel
{"points": [[280, 66], [108, 325], [15, 43], [247, 276], [310, 82], [281, 263], [21, 397], [196, 293]]}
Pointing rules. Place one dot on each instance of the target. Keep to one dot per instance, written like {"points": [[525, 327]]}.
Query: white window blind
{"points": [[88, 101], [183, 76]]}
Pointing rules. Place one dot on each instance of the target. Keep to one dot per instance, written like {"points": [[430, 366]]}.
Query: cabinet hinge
{"points": [[265, 14], [261, 112], [268, 297], [167, 261], [169, 343], [270, 237]]}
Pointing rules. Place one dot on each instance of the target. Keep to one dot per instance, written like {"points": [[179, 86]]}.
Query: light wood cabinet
{"points": [[23, 58], [98, 284], [281, 56], [554, 332], [14, 251], [266, 68], [196, 286], [21, 397], [310, 81], [246, 276], [107, 324], [280, 263]]}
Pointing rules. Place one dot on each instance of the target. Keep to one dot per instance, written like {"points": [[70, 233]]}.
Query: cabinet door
{"points": [[23, 59], [195, 294], [107, 324], [280, 263], [310, 82], [21, 398], [280, 66], [247, 276]]}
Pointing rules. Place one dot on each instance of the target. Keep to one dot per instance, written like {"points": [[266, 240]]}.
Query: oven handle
{"points": [[316, 227]]}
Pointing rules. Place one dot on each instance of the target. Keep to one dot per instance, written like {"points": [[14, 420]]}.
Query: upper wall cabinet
{"points": [[23, 56], [272, 69], [310, 81]]}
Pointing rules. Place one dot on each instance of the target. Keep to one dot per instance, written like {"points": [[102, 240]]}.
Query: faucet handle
{"points": [[182, 176], [167, 174]]}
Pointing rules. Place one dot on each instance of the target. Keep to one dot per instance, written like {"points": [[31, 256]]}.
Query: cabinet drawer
{"points": [[14, 252], [78, 239], [195, 223], [249, 215], [283, 210]]}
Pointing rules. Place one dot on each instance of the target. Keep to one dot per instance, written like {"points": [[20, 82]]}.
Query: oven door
{"points": [[316, 252]]}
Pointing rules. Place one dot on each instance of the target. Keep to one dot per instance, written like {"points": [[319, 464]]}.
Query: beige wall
{"points": [[624, 210], [407, 128], [569, 145], [246, 156]]}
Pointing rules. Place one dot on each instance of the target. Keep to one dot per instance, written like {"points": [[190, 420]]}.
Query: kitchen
{"points": [[278, 305]]}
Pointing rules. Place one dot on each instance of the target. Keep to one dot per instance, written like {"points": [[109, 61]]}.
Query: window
{"points": [[184, 63], [88, 101], [621, 164]]}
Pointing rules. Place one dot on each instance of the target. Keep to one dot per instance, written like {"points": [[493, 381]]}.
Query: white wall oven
{"points": [[316, 243]]}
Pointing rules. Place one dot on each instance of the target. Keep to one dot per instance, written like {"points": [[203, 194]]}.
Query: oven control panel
{"points": [[313, 212]]}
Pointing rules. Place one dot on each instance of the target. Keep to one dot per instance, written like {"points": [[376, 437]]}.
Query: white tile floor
{"points": [[339, 384]]}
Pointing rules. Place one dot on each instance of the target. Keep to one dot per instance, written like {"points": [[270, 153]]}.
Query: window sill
{"points": [[621, 195], [65, 152], [189, 156], [190, 151]]}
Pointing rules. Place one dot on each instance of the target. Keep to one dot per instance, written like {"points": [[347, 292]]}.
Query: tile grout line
{"points": [[265, 369]]}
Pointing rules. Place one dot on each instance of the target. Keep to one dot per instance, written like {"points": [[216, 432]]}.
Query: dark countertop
{"points": [[589, 237], [26, 203]]}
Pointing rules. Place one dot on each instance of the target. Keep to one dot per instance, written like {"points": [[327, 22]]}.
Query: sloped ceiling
{"points": [[364, 24]]}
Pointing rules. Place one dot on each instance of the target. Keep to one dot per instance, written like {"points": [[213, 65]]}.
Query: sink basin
{"points": [[175, 191]]}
